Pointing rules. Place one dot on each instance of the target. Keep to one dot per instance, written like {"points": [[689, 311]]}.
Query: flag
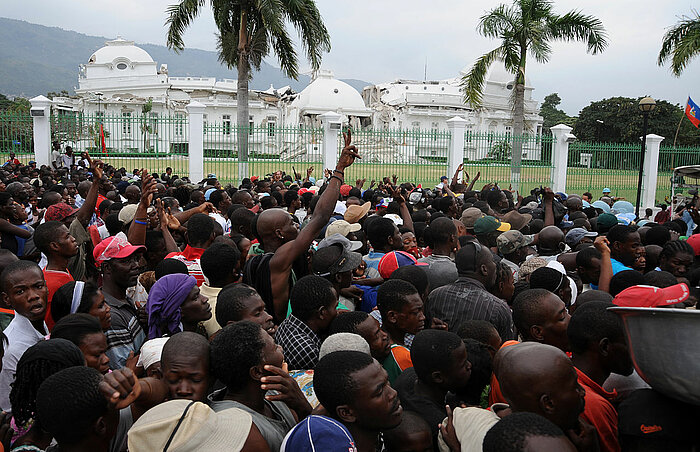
{"points": [[102, 139], [692, 111]]}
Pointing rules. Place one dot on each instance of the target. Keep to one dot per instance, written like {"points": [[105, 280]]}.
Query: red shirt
{"points": [[191, 257], [600, 413], [54, 280]]}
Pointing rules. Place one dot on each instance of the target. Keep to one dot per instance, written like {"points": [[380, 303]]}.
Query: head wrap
{"points": [[164, 301], [151, 351]]}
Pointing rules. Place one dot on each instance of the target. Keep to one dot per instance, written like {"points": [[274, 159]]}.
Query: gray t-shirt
{"points": [[441, 270]]}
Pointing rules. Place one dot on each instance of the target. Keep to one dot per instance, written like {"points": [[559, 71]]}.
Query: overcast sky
{"points": [[381, 40]]}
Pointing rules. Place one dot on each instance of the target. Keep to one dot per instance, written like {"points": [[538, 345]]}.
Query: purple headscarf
{"points": [[164, 301]]}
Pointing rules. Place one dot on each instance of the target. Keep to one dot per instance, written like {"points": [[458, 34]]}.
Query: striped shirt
{"points": [[191, 257], [125, 335], [467, 299]]}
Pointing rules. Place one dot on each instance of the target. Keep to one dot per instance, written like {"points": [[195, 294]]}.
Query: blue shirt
{"points": [[618, 266], [372, 259]]}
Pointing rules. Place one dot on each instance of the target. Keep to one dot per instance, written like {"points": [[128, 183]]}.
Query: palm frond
{"points": [[680, 44], [473, 83], [306, 18], [499, 21], [270, 15], [180, 16], [576, 26]]}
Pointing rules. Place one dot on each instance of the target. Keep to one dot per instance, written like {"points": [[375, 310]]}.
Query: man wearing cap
{"points": [[488, 228], [606, 192], [441, 269], [517, 220], [513, 246], [119, 261], [469, 217], [343, 228], [335, 260], [577, 236]]}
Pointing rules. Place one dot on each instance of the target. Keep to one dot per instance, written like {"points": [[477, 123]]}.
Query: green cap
{"points": [[488, 224], [607, 220]]}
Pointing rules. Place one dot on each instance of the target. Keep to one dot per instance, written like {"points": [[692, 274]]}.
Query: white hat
{"points": [[151, 351], [342, 227], [398, 221], [189, 426]]}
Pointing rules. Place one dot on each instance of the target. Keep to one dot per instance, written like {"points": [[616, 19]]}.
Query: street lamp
{"points": [[99, 101], [646, 106]]}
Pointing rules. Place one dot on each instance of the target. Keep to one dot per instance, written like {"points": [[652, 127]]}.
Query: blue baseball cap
{"points": [[318, 433], [208, 193]]}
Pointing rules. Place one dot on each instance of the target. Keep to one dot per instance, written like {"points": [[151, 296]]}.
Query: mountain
{"points": [[35, 59]]}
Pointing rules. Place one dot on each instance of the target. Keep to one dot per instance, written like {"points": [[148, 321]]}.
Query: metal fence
{"points": [[131, 140], [418, 156], [672, 157], [490, 154], [16, 130]]}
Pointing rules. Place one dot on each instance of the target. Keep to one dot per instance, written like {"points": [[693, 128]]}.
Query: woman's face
{"points": [[94, 347], [101, 310], [196, 307]]}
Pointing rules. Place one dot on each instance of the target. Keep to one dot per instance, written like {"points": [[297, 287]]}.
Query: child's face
{"points": [[409, 240], [27, 293], [360, 270]]}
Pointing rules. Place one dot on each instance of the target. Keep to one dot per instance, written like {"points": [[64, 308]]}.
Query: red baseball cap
{"points": [[345, 189], [393, 260], [650, 297], [116, 247], [59, 212], [694, 241]]}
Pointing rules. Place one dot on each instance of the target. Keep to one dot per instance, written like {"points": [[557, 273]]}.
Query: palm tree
{"points": [[248, 30], [526, 26], [681, 43]]}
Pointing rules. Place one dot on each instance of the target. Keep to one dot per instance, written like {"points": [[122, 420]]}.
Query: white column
{"points": [[331, 127], [455, 153], [560, 155], [651, 167], [195, 111], [41, 114]]}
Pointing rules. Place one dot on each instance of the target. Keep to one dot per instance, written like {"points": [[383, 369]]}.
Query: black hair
{"points": [[185, 343], [526, 312], [63, 299], [657, 235], [15, 267], [660, 279], [347, 322], [441, 230], [169, 267], [309, 294], [412, 274], [38, 362], [493, 197], [333, 382], [591, 323], [511, 432], [241, 220], [268, 202], [45, 234], [219, 262], [234, 350], [625, 279], [200, 227], [113, 224], [619, 233], [154, 240], [547, 278], [445, 203], [391, 295], [379, 231], [431, 351], [584, 258], [75, 327], [479, 356], [479, 330], [229, 302], [290, 197], [216, 197], [676, 247], [69, 402]]}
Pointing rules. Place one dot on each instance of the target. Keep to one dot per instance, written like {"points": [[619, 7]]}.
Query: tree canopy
{"points": [[552, 115]]}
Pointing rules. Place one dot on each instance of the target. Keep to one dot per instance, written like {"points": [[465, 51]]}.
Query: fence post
{"points": [[331, 126], [195, 147], [650, 174], [455, 153], [41, 115], [562, 136]]}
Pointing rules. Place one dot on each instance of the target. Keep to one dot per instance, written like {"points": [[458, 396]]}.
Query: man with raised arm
{"points": [[271, 273]]}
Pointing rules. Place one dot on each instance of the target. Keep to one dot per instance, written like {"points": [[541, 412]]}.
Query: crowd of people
{"points": [[305, 312]]}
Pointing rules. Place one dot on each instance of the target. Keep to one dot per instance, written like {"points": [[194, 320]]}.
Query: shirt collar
{"points": [[191, 253], [25, 324], [114, 302], [300, 325]]}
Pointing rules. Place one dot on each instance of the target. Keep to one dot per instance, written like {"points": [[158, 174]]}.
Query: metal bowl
{"points": [[665, 349]]}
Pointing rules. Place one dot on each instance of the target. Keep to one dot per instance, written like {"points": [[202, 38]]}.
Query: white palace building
{"points": [[120, 78]]}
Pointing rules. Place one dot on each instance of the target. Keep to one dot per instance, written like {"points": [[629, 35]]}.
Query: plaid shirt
{"points": [[299, 343], [467, 299]]}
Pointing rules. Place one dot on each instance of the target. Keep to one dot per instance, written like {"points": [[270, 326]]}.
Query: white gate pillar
{"points": [[331, 127], [41, 115], [562, 136], [651, 168], [195, 147], [455, 153]]}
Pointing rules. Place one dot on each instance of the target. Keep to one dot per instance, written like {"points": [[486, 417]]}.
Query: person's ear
{"points": [[279, 234], [6, 299], [346, 414], [256, 372], [547, 405], [436, 377], [54, 246], [604, 347], [100, 426], [483, 269], [536, 333], [392, 316]]}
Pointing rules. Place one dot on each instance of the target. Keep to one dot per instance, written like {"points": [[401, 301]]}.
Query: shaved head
{"points": [[549, 241], [276, 225], [540, 379]]}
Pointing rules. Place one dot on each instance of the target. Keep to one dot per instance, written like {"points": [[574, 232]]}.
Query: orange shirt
{"points": [[600, 413], [54, 281], [495, 394]]}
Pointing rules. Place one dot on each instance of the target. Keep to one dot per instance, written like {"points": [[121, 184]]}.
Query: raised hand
{"points": [[449, 435], [148, 187], [309, 170], [120, 388], [349, 154], [287, 388], [548, 194], [394, 179], [602, 245], [96, 167]]}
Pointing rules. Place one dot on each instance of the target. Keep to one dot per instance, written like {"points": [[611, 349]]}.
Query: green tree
{"points": [[618, 119], [681, 43], [248, 31], [526, 27], [552, 115]]}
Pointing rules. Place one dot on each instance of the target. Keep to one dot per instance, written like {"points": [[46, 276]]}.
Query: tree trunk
{"points": [[242, 98], [518, 126]]}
